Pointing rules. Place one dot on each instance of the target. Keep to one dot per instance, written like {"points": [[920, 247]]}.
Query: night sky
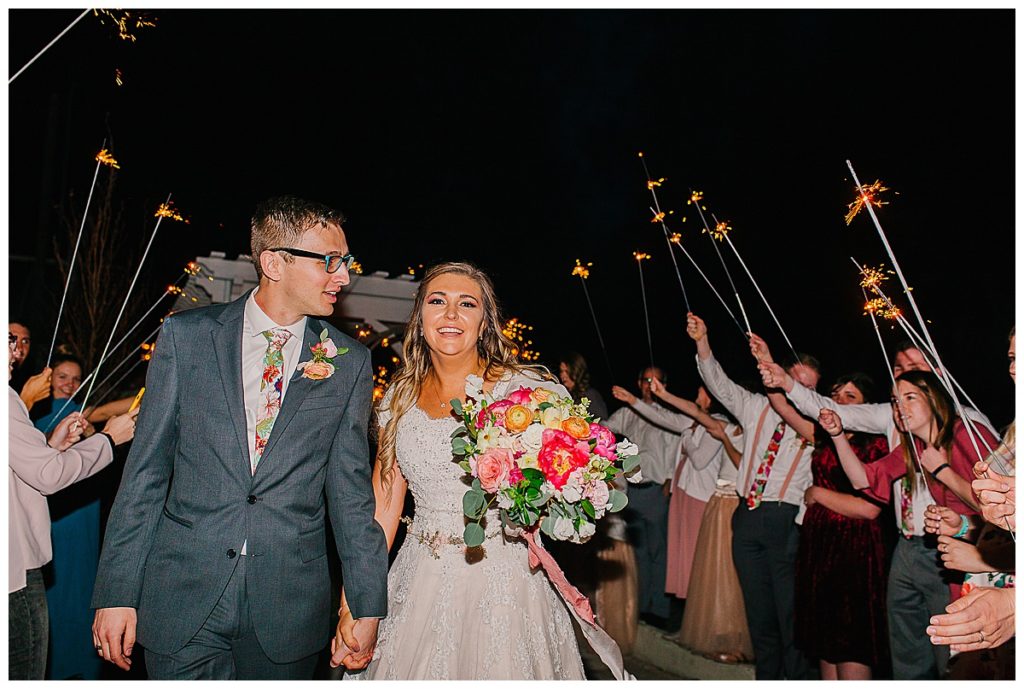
{"points": [[510, 138]]}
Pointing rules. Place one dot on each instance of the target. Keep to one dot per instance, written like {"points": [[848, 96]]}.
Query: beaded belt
{"points": [[437, 540]]}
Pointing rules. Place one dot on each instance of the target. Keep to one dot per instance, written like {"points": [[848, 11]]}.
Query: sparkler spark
{"points": [[651, 183], [719, 231], [641, 256], [676, 238], [168, 210], [118, 77], [867, 194], [126, 21], [875, 306], [695, 197], [892, 313], [659, 217], [870, 278], [104, 157], [582, 270]]}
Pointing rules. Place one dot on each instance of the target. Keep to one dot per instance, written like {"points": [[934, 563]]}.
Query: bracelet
{"points": [[935, 474], [964, 525]]}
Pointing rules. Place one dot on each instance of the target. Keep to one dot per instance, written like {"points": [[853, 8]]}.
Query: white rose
{"points": [[474, 386], [552, 417], [562, 529], [531, 437]]}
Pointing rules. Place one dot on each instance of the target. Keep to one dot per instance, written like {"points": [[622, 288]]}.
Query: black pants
{"points": [[226, 646], [28, 628], [647, 526], [764, 545]]}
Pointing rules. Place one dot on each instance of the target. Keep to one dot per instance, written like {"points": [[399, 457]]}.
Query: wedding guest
{"points": [[32, 388], [37, 468], [617, 584], [774, 474], [75, 534], [575, 376], [916, 589], [647, 513]]}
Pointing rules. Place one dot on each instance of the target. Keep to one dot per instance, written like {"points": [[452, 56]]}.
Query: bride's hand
{"points": [[339, 649], [354, 641]]}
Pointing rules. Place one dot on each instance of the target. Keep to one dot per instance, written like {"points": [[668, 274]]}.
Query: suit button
{"points": [[231, 553], [251, 499]]}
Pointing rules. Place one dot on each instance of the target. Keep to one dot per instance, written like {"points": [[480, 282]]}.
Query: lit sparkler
{"points": [[722, 229], [695, 197], [659, 217], [583, 272], [651, 183], [167, 210], [867, 195], [104, 157], [640, 257], [126, 22]]}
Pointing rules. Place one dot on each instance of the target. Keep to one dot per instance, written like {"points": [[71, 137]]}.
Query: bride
{"points": [[453, 612]]}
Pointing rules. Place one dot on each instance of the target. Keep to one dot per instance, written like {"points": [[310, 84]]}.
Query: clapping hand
{"points": [[997, 495], [624, 395], [830, 421], [941, 520]]}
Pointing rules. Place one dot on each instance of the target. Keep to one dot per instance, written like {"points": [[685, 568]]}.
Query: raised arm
{"points": [[684, 405], [732, 396], [659, 417], [853, 467]]}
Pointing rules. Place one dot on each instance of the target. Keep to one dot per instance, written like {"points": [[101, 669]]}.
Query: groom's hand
{"points": [[354, 642], [113, 635]]}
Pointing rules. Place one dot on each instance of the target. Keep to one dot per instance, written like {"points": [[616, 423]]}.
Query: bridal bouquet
{"points": [[541, 458]]}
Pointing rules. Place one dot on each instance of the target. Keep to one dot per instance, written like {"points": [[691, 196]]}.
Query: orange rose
{"points": [[576, 427], [540, 395], [518, 418]]}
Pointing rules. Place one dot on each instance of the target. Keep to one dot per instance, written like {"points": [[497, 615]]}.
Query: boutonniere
{"points": [[321, 366]]}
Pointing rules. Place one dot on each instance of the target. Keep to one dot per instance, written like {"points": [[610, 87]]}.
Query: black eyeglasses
{"points": [[332, 262]]}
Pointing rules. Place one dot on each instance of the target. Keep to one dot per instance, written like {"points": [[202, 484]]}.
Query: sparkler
{"points": [[659, 217], [583, 271], [695, 198], [867, 195], [126, 22], [47, 47], [102, 158], [676, 239], [162, 212], [640, 258]]}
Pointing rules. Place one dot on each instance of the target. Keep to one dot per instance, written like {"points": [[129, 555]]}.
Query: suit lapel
{"points": [[227, 347], [298, 387]]}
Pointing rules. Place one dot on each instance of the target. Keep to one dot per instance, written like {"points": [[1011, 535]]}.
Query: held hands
{"points": [[36, 388], [997, 495], [941, 520], [984, 618], [759, 348], [624, 395], [961, 556], [830, 421], [68, 432], [774, 376], [113, 635], [354, 641]]}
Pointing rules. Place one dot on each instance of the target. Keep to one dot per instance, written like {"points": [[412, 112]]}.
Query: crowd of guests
{"points": [[817, 536], [813, 535]]}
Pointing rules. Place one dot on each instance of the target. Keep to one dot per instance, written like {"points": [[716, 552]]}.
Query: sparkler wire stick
{"points": [[78, 240], [661, 219], [593, 315], [40, 53], [796, 357], [732, 284], [138, 270], [724, 304], [90, 377], [113, 386], [895, 392], [643, 293]]}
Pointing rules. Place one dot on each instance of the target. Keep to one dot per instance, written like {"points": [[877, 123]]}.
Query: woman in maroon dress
{"points": [[840, 566]]}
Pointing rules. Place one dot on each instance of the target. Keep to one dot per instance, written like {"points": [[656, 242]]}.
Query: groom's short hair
{"points": [[282, 220]]}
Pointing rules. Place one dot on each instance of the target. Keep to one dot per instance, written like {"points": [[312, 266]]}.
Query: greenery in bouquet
{"points": [[542, 459]]}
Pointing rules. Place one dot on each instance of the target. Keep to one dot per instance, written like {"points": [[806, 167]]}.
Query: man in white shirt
{"points": [[773, 474], [647, 513]]}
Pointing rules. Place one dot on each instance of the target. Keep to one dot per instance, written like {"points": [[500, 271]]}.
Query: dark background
{"points": [[510, 138]]}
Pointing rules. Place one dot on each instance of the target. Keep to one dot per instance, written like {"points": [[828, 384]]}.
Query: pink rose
{"points": [[492, 468], [521, 396], [317, 370], [605, 441], [498, 410], [330, 350]]}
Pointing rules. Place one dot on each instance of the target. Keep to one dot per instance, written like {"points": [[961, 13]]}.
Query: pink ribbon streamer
{"points": [[579, 606]]}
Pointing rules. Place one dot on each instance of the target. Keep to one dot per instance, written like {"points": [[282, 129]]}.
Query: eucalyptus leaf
{"points": [[472, 501], [548, 527], [617, 500], [630, 463], [459, 446], [464, 465], [476, 485], [473, 535], [457, 406]]}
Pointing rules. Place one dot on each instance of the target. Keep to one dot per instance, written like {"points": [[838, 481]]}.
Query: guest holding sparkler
{"points": [[75, 533], [916, 588], [647, 513], [33, 388], [775, 472], [37, 468]]}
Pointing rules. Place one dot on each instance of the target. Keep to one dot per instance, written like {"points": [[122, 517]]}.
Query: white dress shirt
{"points": [[659, 446], [748, 408]]}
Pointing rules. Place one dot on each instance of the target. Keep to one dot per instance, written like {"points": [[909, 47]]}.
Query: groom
{"points": [[215, 550]]}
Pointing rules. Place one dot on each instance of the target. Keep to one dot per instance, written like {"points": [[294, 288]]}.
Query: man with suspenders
{"points": [[774, 472]]}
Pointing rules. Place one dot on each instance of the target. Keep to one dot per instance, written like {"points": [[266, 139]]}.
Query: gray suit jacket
{"points": [[188, 498]]}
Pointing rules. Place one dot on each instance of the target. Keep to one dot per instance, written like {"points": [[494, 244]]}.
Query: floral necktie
{"points": [[765, 468], [270, 389]]}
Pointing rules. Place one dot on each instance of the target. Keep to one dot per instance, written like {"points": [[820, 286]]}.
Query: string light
{"points": [[515, 330]]}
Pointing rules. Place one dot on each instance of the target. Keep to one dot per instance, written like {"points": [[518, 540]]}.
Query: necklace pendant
{"points": [[444, 405]]}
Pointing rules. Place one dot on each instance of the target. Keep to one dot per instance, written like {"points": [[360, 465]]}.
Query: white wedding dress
{"points": [[453, 616]]}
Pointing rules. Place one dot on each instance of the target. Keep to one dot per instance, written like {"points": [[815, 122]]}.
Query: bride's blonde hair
{"points": [[494, 348]]}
